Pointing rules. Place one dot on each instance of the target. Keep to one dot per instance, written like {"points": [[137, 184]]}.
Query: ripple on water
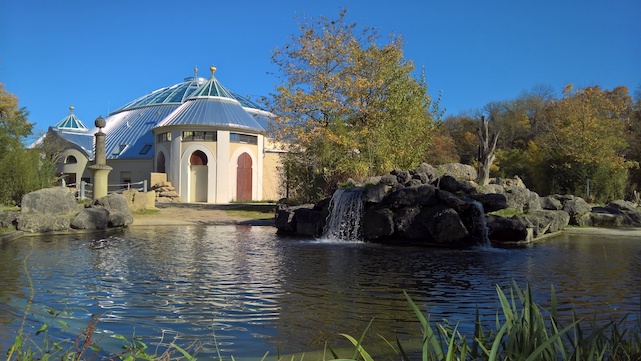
{"points": [[253, 292]]}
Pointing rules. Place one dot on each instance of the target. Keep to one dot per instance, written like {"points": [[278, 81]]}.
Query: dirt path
{"points": [[170, 215]]}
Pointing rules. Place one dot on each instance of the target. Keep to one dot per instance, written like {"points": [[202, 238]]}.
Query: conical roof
{"points": [[71, 123], [213, 105]]}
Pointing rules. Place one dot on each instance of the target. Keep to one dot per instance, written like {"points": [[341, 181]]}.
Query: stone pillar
{"points": [[100, 170]]}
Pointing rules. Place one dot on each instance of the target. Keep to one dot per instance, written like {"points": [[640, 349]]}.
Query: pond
{"points": [[247, 291]]}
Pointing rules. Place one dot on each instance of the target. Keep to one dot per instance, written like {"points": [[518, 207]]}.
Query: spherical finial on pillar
{"points": [[71, 108], [213, 70], [100, 122]]}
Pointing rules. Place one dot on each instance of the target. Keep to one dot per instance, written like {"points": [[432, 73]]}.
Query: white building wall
{"points": [[223, 194]]}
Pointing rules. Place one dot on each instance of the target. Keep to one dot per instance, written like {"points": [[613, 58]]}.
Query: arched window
{"points": [[71, 160], [198, 158], [160, 163]]}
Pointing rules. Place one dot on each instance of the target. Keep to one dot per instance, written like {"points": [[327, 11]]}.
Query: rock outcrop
{"points": [[444, 206], [56, 209]]}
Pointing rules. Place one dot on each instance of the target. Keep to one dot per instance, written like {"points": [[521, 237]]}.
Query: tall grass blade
{"points": [[429, 338]]}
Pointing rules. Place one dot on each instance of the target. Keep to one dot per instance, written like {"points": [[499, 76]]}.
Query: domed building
{"points": [[208, 141]]}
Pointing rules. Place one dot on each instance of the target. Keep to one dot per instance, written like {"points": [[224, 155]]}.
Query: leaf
{"points": [[42, 329]]}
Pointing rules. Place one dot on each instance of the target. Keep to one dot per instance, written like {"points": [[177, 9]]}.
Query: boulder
{"points": [[402, 176], [606, 219], [389, 180], [446, 227], [551, 203], [56, 200], [426, 173], [285, 218], [377, 223], [408, 196], [138, 201], [403, 221], [91, 218], [310, 222], [119, 211], [8, 219], [578, 209], [632, 213], [375, 193], [458, 171], [502, 229], [544, 221], [42, 222], [492, 202], [451, 201], [522, 199]]}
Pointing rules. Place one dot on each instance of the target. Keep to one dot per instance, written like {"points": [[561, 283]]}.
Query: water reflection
{"points": [[254, 292]]}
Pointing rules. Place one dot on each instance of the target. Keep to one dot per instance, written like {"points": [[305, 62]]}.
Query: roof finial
{"points": [[213, 70], [196, 72], [71, 108]]}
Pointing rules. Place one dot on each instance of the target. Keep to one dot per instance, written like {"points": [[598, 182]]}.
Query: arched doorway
{"points": [[198, 177], [160, 163], [244, 178]]}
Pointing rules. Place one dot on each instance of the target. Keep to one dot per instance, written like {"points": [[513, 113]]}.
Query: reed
{"points": [[522, 332]]}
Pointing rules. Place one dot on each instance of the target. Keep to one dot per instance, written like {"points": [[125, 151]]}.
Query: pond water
{"points": [[248, 291]]}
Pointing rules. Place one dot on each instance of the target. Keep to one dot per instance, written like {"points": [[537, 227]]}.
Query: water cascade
{"points": [[345, 214], [480, 224]]}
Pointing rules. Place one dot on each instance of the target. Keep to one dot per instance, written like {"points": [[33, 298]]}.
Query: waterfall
{"points": [[480, 223], [345, 214]]}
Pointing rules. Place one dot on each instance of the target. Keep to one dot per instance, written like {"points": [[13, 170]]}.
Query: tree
{"points": [[22, 170], [583, 138], [462, 129], [487, 147], [347, 106]]}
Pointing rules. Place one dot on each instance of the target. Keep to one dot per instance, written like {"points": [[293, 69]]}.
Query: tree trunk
{"points": [[486, 152]]}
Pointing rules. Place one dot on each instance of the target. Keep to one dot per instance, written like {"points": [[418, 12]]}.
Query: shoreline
{"points": [[183, 214]]}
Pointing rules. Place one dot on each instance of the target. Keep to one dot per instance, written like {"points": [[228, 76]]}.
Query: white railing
{"points": [[84, 190]]}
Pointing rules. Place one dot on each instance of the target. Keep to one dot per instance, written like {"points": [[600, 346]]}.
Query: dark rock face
{"points": [[378, 223], [446, 227], [435, 207], [504, 229], [492, 202]]}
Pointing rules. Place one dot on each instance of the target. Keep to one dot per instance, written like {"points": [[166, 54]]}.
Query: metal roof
{"points": [[213, 105], [129, 131], [175, 94], [213, 111]]}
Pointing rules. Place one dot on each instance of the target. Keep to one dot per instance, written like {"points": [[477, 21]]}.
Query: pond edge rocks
{"points": [[438, 206], [56, 209]]}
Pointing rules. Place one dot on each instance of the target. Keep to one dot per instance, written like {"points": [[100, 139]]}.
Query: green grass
{"points": [[507, 213], [6, 208], [144, 212], [5, 230], [249, 214]]}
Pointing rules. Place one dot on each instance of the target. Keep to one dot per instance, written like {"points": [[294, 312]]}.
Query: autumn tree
{"points": [[583, 138], [22, 170], [462, 129], [347, 106]]}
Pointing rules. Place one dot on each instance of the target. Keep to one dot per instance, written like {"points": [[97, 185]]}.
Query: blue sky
{"points": [[99, 55]]}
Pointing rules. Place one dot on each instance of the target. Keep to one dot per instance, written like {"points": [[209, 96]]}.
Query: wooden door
{"points": [[244, 178]]}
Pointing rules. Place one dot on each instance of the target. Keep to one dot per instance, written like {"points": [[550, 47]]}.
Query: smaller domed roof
{"points": [[71, 122]]}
